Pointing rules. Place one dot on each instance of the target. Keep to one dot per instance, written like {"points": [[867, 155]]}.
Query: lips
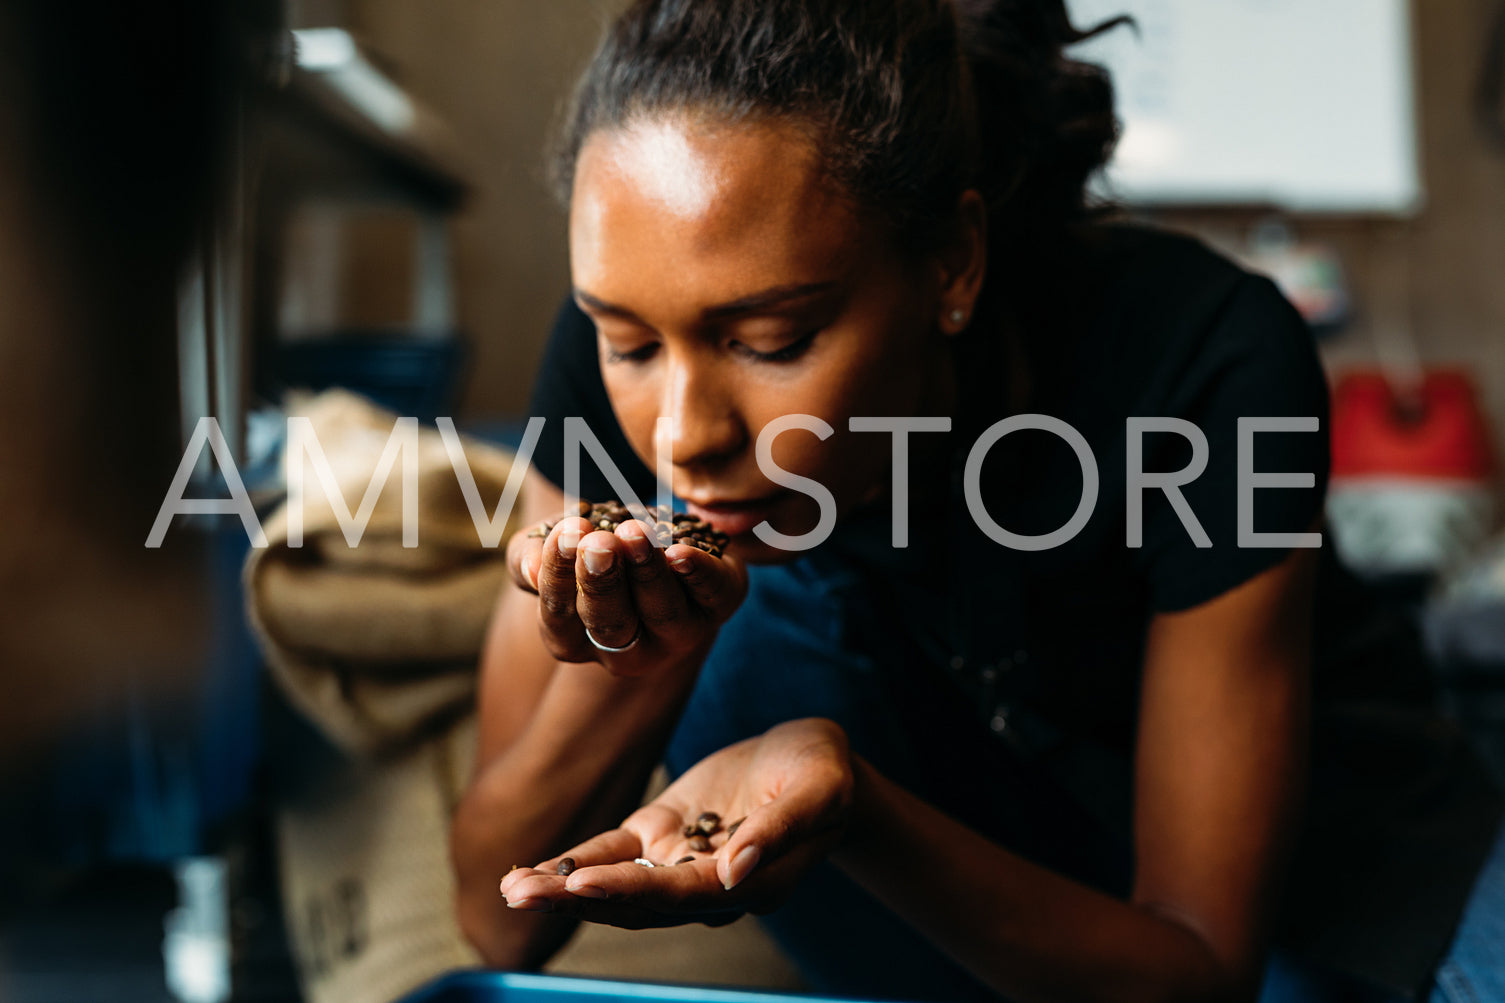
{"points": [[734, 518]]}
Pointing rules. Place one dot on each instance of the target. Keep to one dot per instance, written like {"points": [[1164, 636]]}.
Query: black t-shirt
{"points": [[1120, 323]]}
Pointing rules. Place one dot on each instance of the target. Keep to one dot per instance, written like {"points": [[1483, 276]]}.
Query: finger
{"points": [[691, 888], [770, 886], [537, 890], [534, 890], [512, 877], [611, 847], [632, 895], [606, 848], [661, 602], [604, 603], [807, 810], [524, 556], [716, 584], [558, 621]]}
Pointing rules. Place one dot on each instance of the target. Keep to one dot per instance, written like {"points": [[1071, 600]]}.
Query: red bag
{"points": [[1411, 474]]}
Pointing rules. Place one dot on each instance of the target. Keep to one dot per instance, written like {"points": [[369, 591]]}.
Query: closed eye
{"points": [[642, 354], [788, 353]]}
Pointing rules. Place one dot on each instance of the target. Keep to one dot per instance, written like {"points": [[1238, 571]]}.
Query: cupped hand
{"points": [[658, 603], [788, 792]]}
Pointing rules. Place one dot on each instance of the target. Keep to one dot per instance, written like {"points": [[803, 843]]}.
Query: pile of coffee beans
{"points": [[668, 527]]}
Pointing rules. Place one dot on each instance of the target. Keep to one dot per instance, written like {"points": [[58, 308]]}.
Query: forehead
{"points": [[711, 211]]}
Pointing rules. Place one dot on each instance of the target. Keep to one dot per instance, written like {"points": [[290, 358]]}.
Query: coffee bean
{"points": [[708, 822], [566, 866], [668, 527], [700, 843], [731, 830], [685, 860], [697, 533]]}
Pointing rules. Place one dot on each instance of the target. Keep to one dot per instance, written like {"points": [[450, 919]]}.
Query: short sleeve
{"points": [[1257, 359], [568, 385]]}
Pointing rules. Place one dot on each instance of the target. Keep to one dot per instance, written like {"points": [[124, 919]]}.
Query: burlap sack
{"points": [[377, 646]]}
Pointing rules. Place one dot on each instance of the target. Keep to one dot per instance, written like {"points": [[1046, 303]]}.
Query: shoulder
{"points": [[1154, 319], [1145, 250], [1160, 286]]}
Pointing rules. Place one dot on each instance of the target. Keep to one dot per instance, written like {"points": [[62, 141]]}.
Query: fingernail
{"points": [[533, 574], [638, 546], [681, 564], [741, 866], [532, 905], [598, 561], [586, 891], [567, 541]]}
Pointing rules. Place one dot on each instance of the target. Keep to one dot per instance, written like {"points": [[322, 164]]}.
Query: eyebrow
{"points": [[758, 302]]}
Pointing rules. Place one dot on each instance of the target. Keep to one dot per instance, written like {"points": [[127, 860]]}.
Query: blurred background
{"points": [[232, 210]]}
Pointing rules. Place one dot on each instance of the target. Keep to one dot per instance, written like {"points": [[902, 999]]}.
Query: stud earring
{"points": [[959, 318]]}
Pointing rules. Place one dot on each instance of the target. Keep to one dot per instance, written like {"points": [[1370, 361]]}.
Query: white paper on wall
{"points": [[1302, 104]]}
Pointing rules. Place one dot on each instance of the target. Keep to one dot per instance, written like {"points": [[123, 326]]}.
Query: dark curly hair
{"points": [[911, 101]]}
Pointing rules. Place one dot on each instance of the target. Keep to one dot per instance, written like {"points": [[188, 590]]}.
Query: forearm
{"points": [[1029, 933], [578, 767]]}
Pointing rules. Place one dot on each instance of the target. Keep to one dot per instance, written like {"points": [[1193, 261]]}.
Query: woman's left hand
{"points": [[790, 790]]}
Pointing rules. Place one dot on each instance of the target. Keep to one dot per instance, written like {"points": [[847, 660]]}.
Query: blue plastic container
{"points": [[507, 987]]}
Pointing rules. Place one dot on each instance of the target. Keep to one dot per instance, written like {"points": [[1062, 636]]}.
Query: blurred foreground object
{"points": [[113, 139], [377, 645], [1411, 480], [116, 120]]}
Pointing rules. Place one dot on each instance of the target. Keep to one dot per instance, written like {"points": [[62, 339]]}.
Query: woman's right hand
{"points": [[620, 587]]}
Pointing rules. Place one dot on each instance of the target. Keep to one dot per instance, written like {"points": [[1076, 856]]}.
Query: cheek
{"points": [[878, 385], [635, 402], [891, 376]]}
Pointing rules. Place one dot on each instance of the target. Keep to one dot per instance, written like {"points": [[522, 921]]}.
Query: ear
{"points": [[962, 261]]}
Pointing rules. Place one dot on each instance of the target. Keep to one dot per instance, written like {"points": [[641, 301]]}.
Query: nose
{"points": [[706, 427]]}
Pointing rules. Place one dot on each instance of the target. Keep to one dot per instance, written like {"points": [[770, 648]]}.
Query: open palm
{"points": [[787, 791]]}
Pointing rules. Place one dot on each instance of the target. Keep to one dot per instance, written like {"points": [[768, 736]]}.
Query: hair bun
{"points": [[1047, 122]]}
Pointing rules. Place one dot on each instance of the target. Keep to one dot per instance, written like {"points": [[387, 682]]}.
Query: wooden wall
{"points": [[498, 72]]}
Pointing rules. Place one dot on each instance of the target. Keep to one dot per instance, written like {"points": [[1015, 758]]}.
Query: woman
{"points": [[1055, 769]]}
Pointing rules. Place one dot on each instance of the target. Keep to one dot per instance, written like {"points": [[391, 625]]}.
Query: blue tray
{"points": [[508, 987]]}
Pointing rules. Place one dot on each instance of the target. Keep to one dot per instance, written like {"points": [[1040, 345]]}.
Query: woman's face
{"points": [[730, 286]]}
